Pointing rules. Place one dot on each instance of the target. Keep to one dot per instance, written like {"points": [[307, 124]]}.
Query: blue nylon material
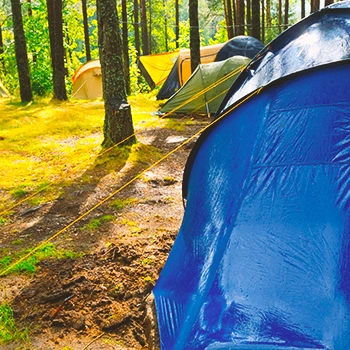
{"points": [[319, 39], [262, 259]]}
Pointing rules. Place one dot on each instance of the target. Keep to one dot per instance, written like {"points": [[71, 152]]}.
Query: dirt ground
{"points": [[102, 300]]}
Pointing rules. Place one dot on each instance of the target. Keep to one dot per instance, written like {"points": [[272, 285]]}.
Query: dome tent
{"points": [[190, 97], [238, 46], [262, 257], [87, 81]]}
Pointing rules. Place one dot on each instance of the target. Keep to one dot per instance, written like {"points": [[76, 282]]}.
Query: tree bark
{"points": [[315, 5], [2, 61], [145, 42], [86, 32], [279, 16], [194, 34], [165, 26], [256, 19], [228, 18], [137, 27], [125, 47], [263, 21], [118, 125], [54, 10], [286, 13], [302, 8], [328, 2], [239, 17], [248, 17], [177, 24], [21, 53]]}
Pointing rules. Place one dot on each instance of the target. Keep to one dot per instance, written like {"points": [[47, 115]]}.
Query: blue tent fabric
{"points": [[262, 258], [321, 38]]}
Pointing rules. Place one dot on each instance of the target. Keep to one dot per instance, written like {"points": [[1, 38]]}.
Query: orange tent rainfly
{"points": [[87, 81]]}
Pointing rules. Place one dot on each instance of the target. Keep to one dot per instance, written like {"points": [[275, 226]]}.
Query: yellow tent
{"points": [[87, 81], [156, 68]]}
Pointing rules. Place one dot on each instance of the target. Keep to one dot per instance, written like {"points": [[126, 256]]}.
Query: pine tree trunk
{"points": [[21, 53], [145, 47], [177, 24], [234, 15], [137, 27], [125, 47], [249, 17], [256, 19], [194, 34], [302, 8], [86, 32], [228, 18], [54, 10], [279, 16], [286, 13], [240, 17], [118, 120], [328, 2], [315, 5]]}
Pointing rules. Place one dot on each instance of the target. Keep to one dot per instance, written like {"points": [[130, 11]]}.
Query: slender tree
{"points": [[54, 11], [248, 12], [279, 16], [165, 11], [194, 34], [315, 5], [21, 53], [302, 8], [145, 41], [328, 2], [256, 19], [2, 61], [118, 120], [228, 18], [86, 31], [286, 13], [125, 46], [263, 21], [177, 24], [137, 27], [239, 17]]}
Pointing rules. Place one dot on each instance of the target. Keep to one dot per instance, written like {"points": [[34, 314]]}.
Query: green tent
{"points": [[206, 88]]}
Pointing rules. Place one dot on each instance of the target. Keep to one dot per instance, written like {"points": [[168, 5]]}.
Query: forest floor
{"points": [[101, 297]]}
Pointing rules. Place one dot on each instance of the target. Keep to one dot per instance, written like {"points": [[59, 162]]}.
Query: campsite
{"points": [[186, 189]]}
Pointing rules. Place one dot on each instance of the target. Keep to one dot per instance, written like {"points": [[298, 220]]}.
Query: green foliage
{"points": [[8, 329], [29, 265]]}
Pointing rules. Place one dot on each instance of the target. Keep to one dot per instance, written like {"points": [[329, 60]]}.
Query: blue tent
{"points": [[262, 259]]}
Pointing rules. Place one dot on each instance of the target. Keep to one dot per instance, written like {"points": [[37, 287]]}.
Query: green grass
{"points": [[96, 223], [8, 329], [45, 143], [119, 204], [29, 265]]}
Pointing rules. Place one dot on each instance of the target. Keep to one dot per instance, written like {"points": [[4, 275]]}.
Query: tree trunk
{"points": [[249, 17], [150, 26], [239, 17], [125, 47], [165, 26], [279, 16], [263, 21], [315, 5], [302, 8], [177, 24], [268, 14], [256, 19], [228, 18], [54, 10], [328, 2], [234, 16], [286, 13], [194, 34], [136, 27], [86, 32], [145, 46], [118, 120], [21, 53], [2, 61]]}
